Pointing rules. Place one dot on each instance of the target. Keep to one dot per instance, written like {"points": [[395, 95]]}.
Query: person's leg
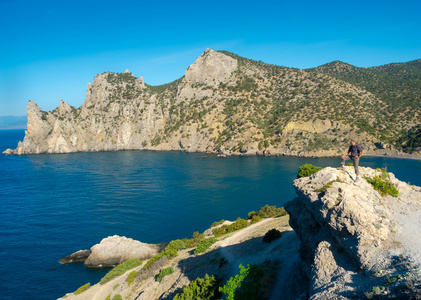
{"points": [[343, 159], [356, 162]]}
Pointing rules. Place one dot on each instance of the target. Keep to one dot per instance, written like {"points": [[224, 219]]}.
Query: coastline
{"points": [[225, 154]]}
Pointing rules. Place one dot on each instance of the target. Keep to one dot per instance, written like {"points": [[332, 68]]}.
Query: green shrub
{"points": [[234, 282], [272, 235], [268, 212], [193, 242], [82, 288], [214, 224], [205, 244], [176, 245], [117, 297], [108, 297], [383, 185], [131, 277], [121, 269], [164, 272], [201, 289], [349, 164], [253, 282], [117, 285], [255, 219], [307, 170], [237, 225]]}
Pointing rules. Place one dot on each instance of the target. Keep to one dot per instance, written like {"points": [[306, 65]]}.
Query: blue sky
{"points": [[50, 50]]}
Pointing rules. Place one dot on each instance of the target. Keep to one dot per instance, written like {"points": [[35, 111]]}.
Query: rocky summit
{"points": [[231, 105], [343, 239], [356, 243]]}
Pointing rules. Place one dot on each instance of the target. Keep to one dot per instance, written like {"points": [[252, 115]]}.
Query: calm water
{"points": [[55, 204]]}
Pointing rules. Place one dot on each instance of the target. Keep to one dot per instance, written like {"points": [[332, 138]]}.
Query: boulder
{"points": [[116, 249]]}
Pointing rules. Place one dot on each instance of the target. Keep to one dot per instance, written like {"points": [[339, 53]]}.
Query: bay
{"points": [[55, 204]]}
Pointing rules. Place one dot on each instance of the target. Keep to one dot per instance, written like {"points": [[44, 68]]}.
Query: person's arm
{"points": [[361, 154]]}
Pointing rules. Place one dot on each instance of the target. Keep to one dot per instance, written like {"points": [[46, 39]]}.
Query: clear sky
{"points": [[50, 50]]}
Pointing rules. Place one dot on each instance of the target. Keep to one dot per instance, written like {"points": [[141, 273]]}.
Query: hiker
{"points": [[354, 153]]}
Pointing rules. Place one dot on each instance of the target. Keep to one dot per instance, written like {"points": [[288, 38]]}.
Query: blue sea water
{"points": [[55, 204]]}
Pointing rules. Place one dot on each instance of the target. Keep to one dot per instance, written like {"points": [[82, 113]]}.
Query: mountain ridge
{"points": [[223, 104]]}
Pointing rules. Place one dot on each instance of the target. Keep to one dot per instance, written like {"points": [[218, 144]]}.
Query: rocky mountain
{"points": [[224, 104], [349, 242]]}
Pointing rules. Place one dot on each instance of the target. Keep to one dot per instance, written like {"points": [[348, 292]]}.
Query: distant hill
{"points": [[13, 122], [397, 84]]}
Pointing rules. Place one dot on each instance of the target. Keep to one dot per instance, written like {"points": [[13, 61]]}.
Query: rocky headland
{"points": [[341, 239], [229, 105]]}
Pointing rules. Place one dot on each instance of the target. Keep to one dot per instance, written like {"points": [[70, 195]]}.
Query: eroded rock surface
{"points": [[353, 239]]}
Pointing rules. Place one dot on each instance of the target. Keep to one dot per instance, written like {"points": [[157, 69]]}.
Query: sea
{"points": [[55, 204]]}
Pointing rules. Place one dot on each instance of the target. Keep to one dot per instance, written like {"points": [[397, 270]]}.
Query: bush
{"points": [[272, 235], [255, 219], [237, 225], [349, 164], [202, 288], [131, 277], [176, 245], [164, 272], [253, 282], [82, 288], [116, 286], [121, 269], [205, 244], [383, 185], [268, 212], [307, 170], [214, 224], [108, 297], [117, 297]]}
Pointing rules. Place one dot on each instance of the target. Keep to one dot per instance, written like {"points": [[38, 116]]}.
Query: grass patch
{"points": [[383, 185], [117, 297], [121, 269], [237, 225], [116, 286], [326, 186], [131, 277], [164, 272], [82, 288], [205, 244]]}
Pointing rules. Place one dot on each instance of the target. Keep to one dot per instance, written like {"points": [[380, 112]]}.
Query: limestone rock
{"points": [[350, 226], [78, 256], [116, 249], [211, 68]]}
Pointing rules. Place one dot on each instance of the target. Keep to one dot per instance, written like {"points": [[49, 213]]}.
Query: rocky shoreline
{"points": [[348, 242]]}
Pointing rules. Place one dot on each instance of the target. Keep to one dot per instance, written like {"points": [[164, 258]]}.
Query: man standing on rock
{"points": [[354, 153]]}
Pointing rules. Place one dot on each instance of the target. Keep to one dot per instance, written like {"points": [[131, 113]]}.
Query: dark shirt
{"points": [[355, 150]]}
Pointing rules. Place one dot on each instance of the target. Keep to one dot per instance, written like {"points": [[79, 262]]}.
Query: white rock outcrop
{"points": [[116, 249], [349, 232]]}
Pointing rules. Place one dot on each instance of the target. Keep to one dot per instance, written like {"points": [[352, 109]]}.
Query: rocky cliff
{"points": [[356, 244], [224, 103]]}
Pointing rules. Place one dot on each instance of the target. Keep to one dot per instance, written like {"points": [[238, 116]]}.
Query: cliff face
{"points": [[224, 103], [354, 242]]}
